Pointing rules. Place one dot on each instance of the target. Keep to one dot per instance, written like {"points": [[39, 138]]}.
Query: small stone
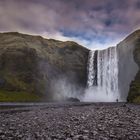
{"points": [[68, 139], [20, 136], [79, 137], [130, 137], [85, 131]]}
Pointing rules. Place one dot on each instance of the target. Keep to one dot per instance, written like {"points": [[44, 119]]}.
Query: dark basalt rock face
{"points": [[29, 63]]}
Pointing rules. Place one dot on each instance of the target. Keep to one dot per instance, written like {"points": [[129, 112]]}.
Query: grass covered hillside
{"points": [[28, 64]]}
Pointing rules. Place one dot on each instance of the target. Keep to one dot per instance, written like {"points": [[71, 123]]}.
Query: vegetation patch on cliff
{"points": [[18, 96]]}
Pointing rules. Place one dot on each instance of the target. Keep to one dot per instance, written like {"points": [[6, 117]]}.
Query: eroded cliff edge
{"points": [[30, 64]]}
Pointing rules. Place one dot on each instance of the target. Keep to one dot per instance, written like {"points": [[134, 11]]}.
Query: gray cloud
{"points": [[94, 22]]}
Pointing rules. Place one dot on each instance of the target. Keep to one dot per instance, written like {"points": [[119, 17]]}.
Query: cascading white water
{"points": [[106, 89], [107, 73], [90, 69]]}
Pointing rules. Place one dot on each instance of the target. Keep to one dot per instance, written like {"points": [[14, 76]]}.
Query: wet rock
{"points": [[73, 100]]}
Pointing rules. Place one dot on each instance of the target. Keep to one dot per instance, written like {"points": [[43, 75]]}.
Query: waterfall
{"points": [[90, 69], [105, 72]]}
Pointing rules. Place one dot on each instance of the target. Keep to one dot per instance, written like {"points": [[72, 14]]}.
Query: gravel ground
{"points": [[80, 121]]}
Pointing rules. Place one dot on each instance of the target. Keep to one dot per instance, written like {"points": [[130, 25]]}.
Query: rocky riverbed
{"points": [[78, 121]]}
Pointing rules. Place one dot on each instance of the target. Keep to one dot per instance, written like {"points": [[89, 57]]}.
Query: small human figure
{"points": [[117, 100]]}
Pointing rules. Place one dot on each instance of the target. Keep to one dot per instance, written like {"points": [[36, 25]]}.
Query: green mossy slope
{"points": [[8, 96], [28, 64]]}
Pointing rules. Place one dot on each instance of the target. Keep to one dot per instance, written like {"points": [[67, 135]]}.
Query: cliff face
{"points": [[31, 64], [134, 92], [129, 67]]}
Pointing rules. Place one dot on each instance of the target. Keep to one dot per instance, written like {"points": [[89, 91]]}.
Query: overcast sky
{"points": [[92, 23]]}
